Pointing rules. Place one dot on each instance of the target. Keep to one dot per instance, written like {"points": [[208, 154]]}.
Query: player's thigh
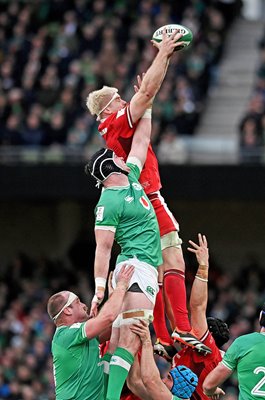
{"points": [[173, 259], [166, 220]]}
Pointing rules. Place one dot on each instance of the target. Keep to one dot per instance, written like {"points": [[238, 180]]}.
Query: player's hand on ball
{"points": [[168, 43]]}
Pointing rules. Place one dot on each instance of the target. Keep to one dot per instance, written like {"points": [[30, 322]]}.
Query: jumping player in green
{"points": [[125, 214], [246, 355], [78, 370]]}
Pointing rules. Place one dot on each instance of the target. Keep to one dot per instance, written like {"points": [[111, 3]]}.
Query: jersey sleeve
{"points": [[231, 356], [107, 216], [76, 334], [135, 170]]}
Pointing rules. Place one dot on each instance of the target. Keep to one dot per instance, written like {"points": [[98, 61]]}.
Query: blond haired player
{"points": [[118, 122]]}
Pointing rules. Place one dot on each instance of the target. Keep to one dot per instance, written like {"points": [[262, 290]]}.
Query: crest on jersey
{"points": [[120, 113], [144, 202], [137, 186], [129, 199]]}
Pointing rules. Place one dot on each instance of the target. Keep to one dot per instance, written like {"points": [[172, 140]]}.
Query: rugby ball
{"points": [[186, 32]]}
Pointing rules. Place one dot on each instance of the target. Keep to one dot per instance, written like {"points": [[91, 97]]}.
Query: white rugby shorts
{"points": [[144, 275]]}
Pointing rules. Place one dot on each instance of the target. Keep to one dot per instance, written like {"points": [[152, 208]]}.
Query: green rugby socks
{"points": [[120, 365], [106, 360]]}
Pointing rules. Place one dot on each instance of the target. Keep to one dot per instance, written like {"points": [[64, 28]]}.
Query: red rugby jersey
{"points": [[200, 364], [117, 130]]}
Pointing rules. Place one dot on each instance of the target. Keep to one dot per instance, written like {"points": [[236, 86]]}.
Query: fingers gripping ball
{"points": [[186, 32], [184, 381]]}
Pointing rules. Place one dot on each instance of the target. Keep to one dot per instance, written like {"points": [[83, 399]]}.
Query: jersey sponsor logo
{"points": [[129, 199], [104, 131], [144, 202], [150, 290], [120, 113], [99, 213], [137, 186]]}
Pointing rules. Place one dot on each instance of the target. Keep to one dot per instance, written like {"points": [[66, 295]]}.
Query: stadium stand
{"points": [[26, 331], [53, 53]]}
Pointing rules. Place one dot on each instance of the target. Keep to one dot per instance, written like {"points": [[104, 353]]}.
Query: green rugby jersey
{"points": [[78, 373], [246, 355], [128, 212]]}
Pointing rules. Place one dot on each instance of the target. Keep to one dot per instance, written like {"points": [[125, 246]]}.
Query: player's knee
{"points": [[173, 259], [128, 339], [171, 239]]}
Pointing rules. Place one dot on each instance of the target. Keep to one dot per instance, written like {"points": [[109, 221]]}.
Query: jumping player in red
{"points": [[118, 121]]}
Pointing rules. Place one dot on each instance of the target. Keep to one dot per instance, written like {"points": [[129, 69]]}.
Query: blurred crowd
{"points": [[26, 330], [252, 124], [54, 52]]}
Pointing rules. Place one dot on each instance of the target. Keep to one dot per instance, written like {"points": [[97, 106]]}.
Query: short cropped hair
{"points": [[55, 303], [98, 99]]}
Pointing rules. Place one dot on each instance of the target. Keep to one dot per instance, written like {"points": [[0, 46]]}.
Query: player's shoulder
{"points": [[249, 338]]}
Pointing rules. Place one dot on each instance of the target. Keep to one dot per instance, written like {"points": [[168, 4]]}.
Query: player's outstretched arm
{"points": [[141, 140], [154, 75], [199, 291], [149, 372], [111, 309], [215, 378], [135, 383]]}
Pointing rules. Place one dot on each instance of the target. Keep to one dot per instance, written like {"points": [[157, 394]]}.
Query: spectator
{"points": [[49, 53]]}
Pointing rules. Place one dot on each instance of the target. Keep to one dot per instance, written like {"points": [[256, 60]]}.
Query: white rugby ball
{"points": [[171, 28]]}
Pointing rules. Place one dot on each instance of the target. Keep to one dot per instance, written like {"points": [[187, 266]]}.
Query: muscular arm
{"points": [[104, 243], [109, 312], [135, 383], [97, 326], [141, 140], [199, 291], [216, 377], [149, 372], [153, 77]]}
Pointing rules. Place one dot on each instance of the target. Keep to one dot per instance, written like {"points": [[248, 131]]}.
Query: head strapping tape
{"points": [[71, 298], [115, 95], [184, 381]]}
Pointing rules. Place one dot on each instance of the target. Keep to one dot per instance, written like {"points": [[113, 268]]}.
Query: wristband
{"points": [[100, 284], [201, 279], [148, 113], [96, 300]]}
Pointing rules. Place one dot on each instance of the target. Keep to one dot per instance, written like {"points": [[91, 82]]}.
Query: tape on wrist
{"points": [[96, 300], [100, 284], [201, 279], [148, 113]]}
